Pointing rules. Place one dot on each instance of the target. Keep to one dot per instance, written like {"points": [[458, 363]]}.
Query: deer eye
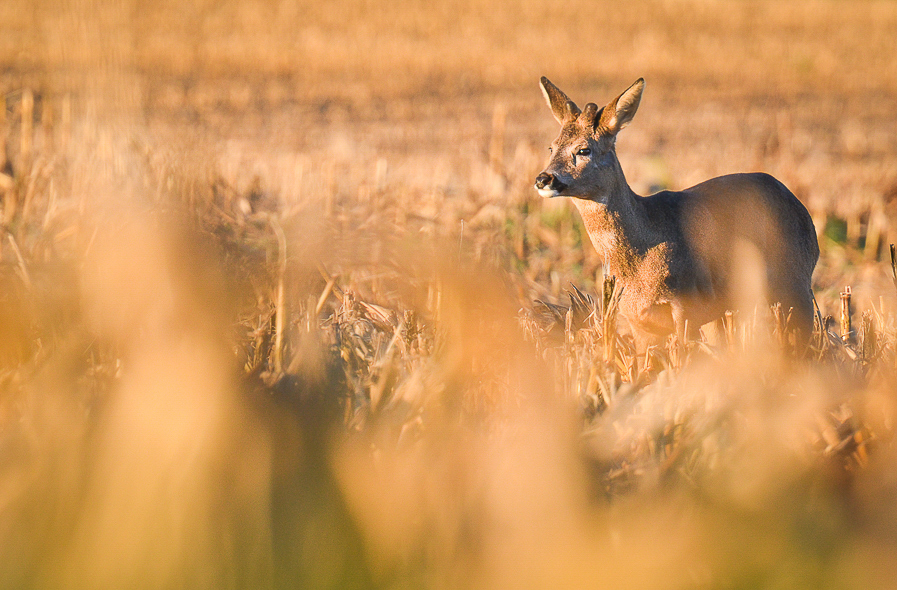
{"points": [[583, 152]]}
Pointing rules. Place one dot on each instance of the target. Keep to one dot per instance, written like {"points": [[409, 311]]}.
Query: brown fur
{"points": [[676, 253]]}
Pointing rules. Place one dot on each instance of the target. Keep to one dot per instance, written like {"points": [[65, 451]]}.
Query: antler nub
{"points": [[589, 115]]}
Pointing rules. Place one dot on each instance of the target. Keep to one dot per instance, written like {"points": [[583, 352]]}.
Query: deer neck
{"points": [[618, 227]]}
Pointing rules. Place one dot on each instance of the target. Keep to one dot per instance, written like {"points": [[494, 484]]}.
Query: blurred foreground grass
{"points": [[268, 273]]}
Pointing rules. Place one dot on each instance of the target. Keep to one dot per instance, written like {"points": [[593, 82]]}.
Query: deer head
{"points": [[583, 161]]}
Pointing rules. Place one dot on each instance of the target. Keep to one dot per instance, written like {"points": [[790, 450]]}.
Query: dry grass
{"points": [[267, 320]]}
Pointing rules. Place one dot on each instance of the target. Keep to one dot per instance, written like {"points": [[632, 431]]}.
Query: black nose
{"points": [[549, 181]]}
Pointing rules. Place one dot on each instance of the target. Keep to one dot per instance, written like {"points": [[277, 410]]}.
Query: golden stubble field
{"points": [[267, 273]]}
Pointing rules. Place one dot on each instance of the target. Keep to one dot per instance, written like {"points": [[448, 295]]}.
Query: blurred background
{"points": [[267, 272]]}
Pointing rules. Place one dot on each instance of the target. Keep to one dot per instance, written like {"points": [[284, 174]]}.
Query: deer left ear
{"points": [[619, 112], [562, 107]]}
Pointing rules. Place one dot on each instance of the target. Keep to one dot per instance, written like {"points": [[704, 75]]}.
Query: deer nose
{"points": [[546, 180]]}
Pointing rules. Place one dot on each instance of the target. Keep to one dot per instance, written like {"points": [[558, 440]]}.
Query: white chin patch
{"points": [[547, 193]]}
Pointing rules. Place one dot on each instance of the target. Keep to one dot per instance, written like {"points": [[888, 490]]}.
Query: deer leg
{"points": [[653, 324]]}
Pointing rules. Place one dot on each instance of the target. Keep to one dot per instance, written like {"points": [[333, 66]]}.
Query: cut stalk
{"points": [[845, 315]]}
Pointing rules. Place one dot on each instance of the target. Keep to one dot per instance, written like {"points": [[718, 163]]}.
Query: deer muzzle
{"points": [[548, 185]]}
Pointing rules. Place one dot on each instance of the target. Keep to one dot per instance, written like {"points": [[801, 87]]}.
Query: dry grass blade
{"points": [[280, 310], [582, 306], [550, 314], [846, 329], [610, 302], [893, 265]]}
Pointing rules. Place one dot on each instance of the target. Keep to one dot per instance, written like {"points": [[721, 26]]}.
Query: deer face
{"points": [[583, 161], [580, 162]]}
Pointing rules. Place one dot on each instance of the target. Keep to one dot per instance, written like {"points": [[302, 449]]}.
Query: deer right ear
{"points": [[621, 110], [562, 107]]}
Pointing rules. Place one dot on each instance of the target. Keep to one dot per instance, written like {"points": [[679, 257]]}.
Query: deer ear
{"points": [[619, 112], [562, 107]]}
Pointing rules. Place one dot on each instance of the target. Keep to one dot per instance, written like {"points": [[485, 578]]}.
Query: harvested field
{"points": [[268, 274]]}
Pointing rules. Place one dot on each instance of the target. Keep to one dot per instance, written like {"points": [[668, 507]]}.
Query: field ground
{"points": [[267, 274]]}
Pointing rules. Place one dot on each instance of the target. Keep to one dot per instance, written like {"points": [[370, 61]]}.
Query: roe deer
{"points": [[673, 252]]}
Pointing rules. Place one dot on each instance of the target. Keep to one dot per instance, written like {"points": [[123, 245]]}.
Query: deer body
{"points": [[675, 252]]}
